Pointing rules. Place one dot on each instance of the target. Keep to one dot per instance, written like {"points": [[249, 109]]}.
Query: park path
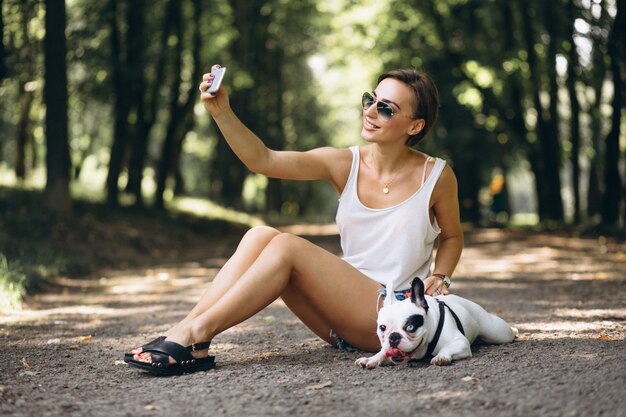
{"points": [[61, 356]]}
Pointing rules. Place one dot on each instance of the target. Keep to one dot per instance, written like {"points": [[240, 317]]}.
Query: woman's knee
{"points": [[260, 235], [285, 245]]}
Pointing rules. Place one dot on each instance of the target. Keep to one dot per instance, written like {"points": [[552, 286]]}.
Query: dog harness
{"points": [[442, 319]]}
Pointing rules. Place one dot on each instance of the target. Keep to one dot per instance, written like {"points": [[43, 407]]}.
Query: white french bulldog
{"points": [[413, 328]]}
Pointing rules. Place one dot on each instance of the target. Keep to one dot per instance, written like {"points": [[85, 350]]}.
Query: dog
{"points": [[443, 327]]}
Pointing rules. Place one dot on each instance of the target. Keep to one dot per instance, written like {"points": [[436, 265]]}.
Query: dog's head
{"points": [[401, 327]]}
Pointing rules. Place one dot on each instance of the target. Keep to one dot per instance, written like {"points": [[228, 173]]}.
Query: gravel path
{"points": [[61, 356]]}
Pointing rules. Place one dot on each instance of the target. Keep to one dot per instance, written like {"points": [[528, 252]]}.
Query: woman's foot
{"points": [[171, 358], [141, 348], [181, 336]]}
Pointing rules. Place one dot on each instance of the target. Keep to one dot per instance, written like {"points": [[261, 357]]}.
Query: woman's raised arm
{"points": [[326, 163]]}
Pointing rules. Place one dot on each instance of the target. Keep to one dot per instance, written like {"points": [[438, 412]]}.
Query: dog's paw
{"points": [[441, 360], [369, 363]]}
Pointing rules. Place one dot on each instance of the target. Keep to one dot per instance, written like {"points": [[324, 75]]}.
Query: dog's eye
{"points": [[382, 327], [413, 323]]}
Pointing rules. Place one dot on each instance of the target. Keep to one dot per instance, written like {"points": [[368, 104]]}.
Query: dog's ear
{"points": [[417, 293], [389, 300]]}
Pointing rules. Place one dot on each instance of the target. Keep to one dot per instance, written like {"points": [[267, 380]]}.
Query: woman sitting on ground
{"points": [[395, 202]]}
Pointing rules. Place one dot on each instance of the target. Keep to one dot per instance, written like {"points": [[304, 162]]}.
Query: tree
{"points": [[546, 157], [136, 89], [3, 66], [572, 77], [26, 78], [613, 191], [181, 102], [269, 51], [57, 194], [120, 108]]}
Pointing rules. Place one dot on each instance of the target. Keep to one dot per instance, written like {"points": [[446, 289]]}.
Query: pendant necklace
{"points": [[386, 187], [388, 183]]}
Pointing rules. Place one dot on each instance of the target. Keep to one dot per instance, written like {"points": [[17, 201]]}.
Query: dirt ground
{"points": [[62, 354]]}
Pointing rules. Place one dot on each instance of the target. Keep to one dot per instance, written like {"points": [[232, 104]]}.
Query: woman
{"points": [[394, 203]]}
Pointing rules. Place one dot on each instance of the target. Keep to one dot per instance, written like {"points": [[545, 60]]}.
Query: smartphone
{"points": [[217, 81]]}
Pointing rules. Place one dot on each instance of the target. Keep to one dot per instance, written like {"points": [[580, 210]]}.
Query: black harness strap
{"points": [[442, 319], [456, 318]]}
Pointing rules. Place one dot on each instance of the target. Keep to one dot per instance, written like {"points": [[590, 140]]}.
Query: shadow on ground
{"points": [[61, 356]]}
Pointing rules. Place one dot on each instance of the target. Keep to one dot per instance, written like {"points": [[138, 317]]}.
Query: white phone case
{"points": [[217, 81]]}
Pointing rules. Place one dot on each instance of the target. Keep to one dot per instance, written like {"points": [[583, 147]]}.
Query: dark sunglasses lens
{"points": [[367, 100], [384, 110]]}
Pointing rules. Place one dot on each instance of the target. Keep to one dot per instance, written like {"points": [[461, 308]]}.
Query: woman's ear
{"points": [[417, 127]]}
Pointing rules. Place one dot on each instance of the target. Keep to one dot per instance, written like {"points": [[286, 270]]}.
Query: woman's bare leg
{"points": [[248, 250], [321, 288], [250, 247]]}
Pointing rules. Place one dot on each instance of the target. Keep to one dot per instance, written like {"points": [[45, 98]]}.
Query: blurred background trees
{"points": [[531, 93]]}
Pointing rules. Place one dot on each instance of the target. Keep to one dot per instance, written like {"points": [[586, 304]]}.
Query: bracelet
{"points": [[444, 278]]}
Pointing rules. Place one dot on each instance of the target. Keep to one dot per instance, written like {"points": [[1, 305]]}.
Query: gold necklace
{"points": [[386, 185]]}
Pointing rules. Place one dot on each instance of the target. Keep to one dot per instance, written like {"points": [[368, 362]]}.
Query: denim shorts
{"points": [[341, 344]]}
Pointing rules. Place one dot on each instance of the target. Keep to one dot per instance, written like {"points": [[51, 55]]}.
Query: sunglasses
{"points": [[385, 111]]}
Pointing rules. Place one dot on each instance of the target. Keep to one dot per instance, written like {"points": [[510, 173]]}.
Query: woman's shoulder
{"points": [[447, 183], [423, 156], [333, 154]]}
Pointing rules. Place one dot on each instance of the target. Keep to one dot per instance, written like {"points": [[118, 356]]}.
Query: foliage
{"points": [[28, 260], [526, 92], [11, 285], [501, 69]]}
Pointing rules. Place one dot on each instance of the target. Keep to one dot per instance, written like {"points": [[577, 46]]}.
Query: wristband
{"points": [[446, 279]]}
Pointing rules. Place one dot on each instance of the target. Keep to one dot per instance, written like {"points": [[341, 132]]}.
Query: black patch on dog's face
{"points": [[413, 323]]}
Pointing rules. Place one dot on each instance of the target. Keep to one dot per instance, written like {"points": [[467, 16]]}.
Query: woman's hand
{"points": [[217, 103], [433, 285]]}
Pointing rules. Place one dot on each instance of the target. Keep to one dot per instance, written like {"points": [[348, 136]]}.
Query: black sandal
{"points": [[185, 362], [129, 355]]}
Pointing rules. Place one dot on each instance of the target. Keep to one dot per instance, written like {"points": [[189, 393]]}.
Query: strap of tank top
{"points": [[424, 172]]}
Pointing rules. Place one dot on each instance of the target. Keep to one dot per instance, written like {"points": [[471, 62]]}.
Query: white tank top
{"points": [[390, 245]]}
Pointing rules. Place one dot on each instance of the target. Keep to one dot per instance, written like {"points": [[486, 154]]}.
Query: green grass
{"points": [[12, 287], [36, 247]]}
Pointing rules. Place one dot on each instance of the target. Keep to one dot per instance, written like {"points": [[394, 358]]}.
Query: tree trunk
{"points": [[228, 173], [3, 65], [534, 154], [57, 193], [551, 147], [572, 68], [24, 132], [273, 106], [545, 158], [181, 114], [136, 90], [24, 125], [612, 180], [120, 110], [598, 75], [621, 64], [175, 109]]}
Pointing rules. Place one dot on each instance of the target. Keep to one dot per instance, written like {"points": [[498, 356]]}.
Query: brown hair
{"points": [[426, 97]]}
